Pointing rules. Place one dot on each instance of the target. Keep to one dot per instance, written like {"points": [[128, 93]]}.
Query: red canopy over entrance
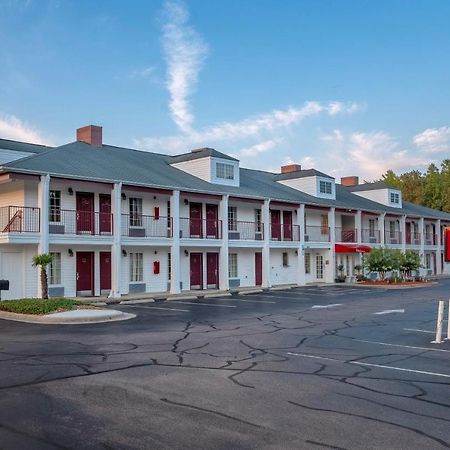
{"points": [[352, 248]]}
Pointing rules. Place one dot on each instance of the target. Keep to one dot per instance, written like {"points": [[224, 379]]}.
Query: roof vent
{"points": [[91, 134], [349, 181], [291, 168]]}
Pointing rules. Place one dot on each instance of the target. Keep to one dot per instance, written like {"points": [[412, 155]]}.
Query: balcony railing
{"points": [[140, 226], [64, 221], [413, 238], [346, 235], [393, 237], [250, 231], [19, 219], [284, 232], [371, 236], [315, 233], [200, 228]]}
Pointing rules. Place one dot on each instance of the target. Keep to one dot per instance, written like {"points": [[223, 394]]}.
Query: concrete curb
{"points": [[137, 302], [100, 316], [250, 291], [225, 294], [387, 286]]}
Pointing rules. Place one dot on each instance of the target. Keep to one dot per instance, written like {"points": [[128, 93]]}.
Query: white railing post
{"points": [[440, 320], [301, 276], [116, 248], [266, 281], [331, 275], [224, 282]]}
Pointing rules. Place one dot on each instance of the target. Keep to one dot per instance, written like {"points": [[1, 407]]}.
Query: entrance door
{"points": [[408, 232], [105, 273], [275, 218], [85, 213], [196, 262], [258, 269], [319, 267], [85, 274], [287, 225], [212, 270], [212, 230], [105, 213], [195, 219]]}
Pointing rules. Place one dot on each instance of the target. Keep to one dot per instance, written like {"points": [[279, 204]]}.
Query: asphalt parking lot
{"points": [[314, 367]]}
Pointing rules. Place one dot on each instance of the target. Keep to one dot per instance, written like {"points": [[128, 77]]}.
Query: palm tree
{"points": [[43, 261]]}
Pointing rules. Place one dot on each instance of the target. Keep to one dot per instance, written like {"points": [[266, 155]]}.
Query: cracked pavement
{"points": [[269, 373]]}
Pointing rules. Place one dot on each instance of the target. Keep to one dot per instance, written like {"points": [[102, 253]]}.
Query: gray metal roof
{"points": [[201, 153], [301, 174], [26, 147], [111, 164], [375, 186]]}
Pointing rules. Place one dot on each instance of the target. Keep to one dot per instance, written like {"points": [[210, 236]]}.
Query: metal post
{"points": [[448, 322], [440, 320]]}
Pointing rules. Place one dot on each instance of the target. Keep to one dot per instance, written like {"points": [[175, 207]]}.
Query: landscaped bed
{"points": [[39, 306], [396, 283]]}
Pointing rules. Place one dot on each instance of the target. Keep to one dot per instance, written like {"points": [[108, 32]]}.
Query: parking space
{"points": [[297, 368]]}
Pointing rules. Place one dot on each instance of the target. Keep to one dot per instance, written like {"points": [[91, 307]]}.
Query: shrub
{"points": [[38, 306]]}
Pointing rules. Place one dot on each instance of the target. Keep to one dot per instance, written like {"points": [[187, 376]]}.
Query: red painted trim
{"points": [[200, 195], [146, 189], [80, 183], [319, 208], [285, 204], [346, 210], [246, 200], [352, 248]]}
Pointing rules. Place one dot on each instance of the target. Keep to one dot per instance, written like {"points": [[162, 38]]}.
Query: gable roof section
{"points": [[18, 146], [301, 174], [201, 153], [375, 186]]}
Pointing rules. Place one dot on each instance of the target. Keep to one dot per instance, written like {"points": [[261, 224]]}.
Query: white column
{"points": [[382, 228], [175, 256], [266, 281], [43, 204], [331, 271], [301, 276], [403, 232], [359, 233], [224, 283], [423, 269], [116, 248], [439, 247]]}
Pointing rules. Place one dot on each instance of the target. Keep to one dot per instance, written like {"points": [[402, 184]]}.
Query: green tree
{"points": [[42, 261], [379, 260], [445, 176], [410, 261], [412, 184], [433, 188], [392, 179]]}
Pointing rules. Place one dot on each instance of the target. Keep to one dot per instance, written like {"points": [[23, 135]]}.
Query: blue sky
{"points": [[348, 87]]}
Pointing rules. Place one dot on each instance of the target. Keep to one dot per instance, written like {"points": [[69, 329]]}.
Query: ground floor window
{"points": [[319, 267], [169, 266], [136, 267], [285, 259], [307, 263], [232, 265], [55, 269], [428, 261]]}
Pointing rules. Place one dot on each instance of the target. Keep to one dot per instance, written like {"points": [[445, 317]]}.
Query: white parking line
{"points": [[159, 307], [380, 366], [326, 306], [205, 304], [252, 301], [389, 311], [419, 331], [403, 346]]}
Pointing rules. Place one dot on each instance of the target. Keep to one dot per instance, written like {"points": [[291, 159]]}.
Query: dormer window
{"points": [[225, 171], [395, 198], [325, 187]]}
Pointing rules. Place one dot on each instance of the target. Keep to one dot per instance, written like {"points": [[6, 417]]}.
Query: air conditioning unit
{"points": [[56, 228], [136, 232], [306, 238], [393, 241], [372, 240], [234, 235], [258, 236]]}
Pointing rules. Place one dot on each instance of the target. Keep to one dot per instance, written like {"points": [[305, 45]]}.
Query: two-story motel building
{"points": [[121, 221]]}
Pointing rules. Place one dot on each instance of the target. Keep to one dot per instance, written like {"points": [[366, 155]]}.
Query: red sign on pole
{"points": [[447, 244]]}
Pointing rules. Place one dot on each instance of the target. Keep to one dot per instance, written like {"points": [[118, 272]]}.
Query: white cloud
{"points": [[13, 128], [146, 73], [185, 52], [433, 140], [260, 147]]}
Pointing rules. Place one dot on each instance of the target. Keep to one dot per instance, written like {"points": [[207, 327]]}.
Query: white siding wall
{"points": [[310, 185], [382, 196], [246, 266], [200, 168], [12, 194], [280, 274]]}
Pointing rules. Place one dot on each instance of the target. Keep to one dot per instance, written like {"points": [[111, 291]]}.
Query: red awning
{"points": [[352, 248]]}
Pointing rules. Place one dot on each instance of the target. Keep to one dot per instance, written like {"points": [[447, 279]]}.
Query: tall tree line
{"points": [[431, 188]]}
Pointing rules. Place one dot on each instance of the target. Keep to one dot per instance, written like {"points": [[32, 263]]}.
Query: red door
{"points": [[276, 225], [105, 272], [195, 219], [287, 225], [408, 233], [105, 213], [196, 261], [85, 213], [212, 230], [85, 273], [258, 269], [212, 270]]}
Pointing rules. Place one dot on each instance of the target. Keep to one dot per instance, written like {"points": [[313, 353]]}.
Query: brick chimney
{"points": [[91, 134], [291, 168], [349, 181]]}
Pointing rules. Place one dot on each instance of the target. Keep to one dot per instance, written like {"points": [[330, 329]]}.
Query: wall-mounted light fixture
{"points": [[124, 197], [70, 191], [156, 252], [154, 197], [186, 201], [124, 253], [296, 252], [70, 252], [186, 253]]}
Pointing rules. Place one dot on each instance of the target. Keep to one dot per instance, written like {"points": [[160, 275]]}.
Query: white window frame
{"points": [[325, 187], [54, 206], [258, 220], [307, 263], [232, 218], [136, 267], [54, 270], [372, 228], [224, 171], [285, 259], [135, 205], [232, 265], [395, 198]]}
